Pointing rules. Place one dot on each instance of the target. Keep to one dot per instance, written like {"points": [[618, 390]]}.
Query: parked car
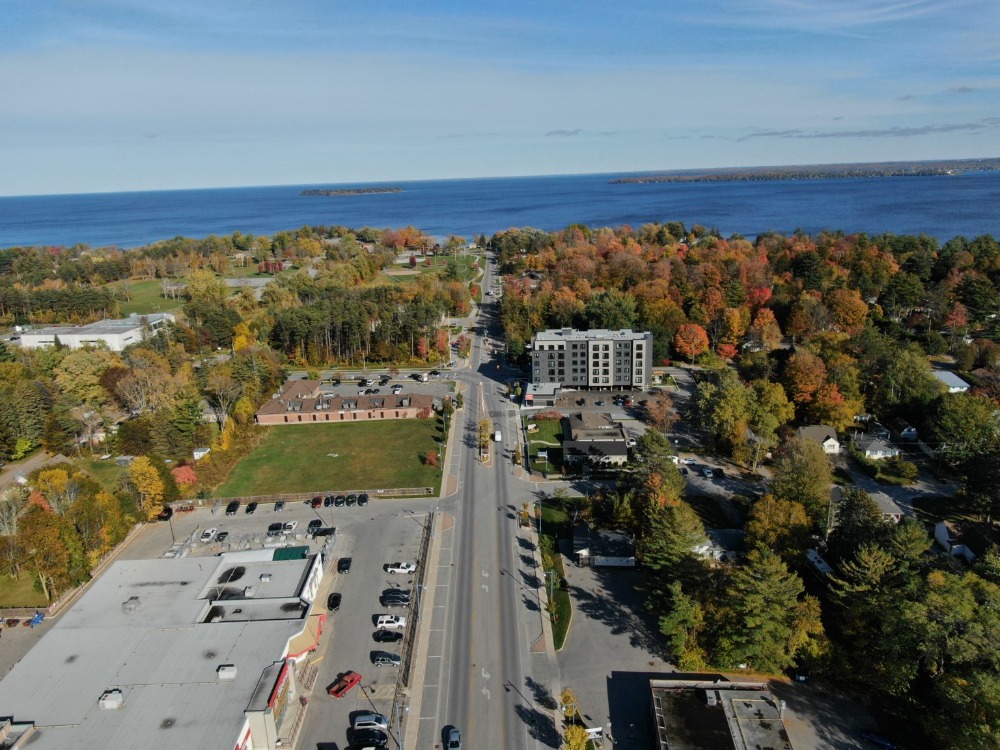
{"points": [[718, 473], [208, 534], [344, 565], [343, 686], [232, 508], [454, 739], [289, 526], [333, 601], [222, 536], [599, 402], [400, 567], [339, 501], [274, 529], [279, 506], [369, 738], [316, 502], [394, 601], [363, 499], [335, 382], [385, 659], [313, 525], [688, 461], [369, 720], [328, 501], [351, 499], [251, 509], [684, 471], [707, 472], [387, 636], [390, 622]]}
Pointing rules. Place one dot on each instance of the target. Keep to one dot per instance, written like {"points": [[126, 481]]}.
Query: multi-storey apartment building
{"points": [[599, 358]]}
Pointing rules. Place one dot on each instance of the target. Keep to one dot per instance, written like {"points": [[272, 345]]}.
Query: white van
{"points": [[496, 436]]}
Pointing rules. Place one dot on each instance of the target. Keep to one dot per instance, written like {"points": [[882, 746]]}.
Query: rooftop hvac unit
{"points": [[226, 672], [131, 604], [111, 700], [265, 577], [249, 591]]}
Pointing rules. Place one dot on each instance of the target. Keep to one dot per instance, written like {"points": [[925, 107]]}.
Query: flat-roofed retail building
{"points": [[116, 334], [716, 714], [187, 653]]}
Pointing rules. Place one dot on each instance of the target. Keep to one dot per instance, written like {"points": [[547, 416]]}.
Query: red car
{"points": [[343, 686]]}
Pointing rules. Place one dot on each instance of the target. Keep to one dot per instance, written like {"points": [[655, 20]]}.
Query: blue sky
{"points": [[109, 95]]}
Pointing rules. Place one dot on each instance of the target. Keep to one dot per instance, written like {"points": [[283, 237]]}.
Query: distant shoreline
{"points": [[942, 168], [353, 191]]}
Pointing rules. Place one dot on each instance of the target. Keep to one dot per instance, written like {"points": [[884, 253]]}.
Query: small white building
{"points": [[115, 334], [949, 537], [823, 434], [951, 381]]}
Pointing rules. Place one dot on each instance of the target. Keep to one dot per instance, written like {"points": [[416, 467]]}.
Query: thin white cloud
{"points": [[980, 126]]}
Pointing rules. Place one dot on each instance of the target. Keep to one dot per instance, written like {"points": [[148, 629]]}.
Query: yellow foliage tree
{"points": [[575, 738], [148, 486], [243, 337]]}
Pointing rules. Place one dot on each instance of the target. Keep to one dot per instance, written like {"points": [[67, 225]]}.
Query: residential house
{"points": [[950, 536], [951, 381], [823, 434], [891, 512], [594, 438], [874, 448], [602, 547]]}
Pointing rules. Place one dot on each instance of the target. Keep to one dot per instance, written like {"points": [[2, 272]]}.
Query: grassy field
{"points": [[549, 437], [20, 593], [105, 472], [144, 297], [313, 458], [556, 524]]}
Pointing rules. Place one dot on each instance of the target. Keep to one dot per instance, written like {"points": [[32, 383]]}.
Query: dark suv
{"points": [[232, 508], [363, 499], [344, 565]]}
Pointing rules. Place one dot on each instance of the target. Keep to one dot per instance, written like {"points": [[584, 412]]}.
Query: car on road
{"points": [[689, 461], [333, 601], [363, 499], [335, 382], [251, 509], [232, 508], [363, 739], [396, 390], [384, 381], [390, 621], [279, 506], [369, 720], [434, 373], [166, 514], [387, 636], [222, 536], [343, 686], [400, 567], [344, 565], [289, 526], [385, 659], [314, 525], [208, 534], [453, 740], [274, 529]]}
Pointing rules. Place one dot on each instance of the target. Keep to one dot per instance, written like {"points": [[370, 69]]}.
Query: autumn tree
{"points": [[779, 525], [42, 550], [691, 341], [803, 474], [147, 484], [223, 392], [660, 411]]}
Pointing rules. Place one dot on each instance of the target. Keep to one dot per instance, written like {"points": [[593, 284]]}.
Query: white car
{"points": [[400, 567], [396, 390], [631, 442], [208, 535], [370, 720], [391, 621], [688, 461], [289, 527]]}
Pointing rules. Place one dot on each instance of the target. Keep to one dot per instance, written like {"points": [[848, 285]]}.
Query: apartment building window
{"points": [[597, 372]]}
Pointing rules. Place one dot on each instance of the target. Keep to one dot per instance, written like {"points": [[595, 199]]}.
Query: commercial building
{"points": [[306, 401], [189, 652], [115, 334], [597, 359], [595, 439], [716, 714]]}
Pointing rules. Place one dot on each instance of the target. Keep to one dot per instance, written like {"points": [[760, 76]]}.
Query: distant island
{"points": [[819, 172], [353, 191]]}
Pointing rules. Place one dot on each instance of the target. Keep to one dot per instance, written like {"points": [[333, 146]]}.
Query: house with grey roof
{"points": [[594, 438], [874, 448], [951, 381], [823, 434]]}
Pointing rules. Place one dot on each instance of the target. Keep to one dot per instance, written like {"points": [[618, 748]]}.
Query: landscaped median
{"points": [[555, 524], [315, 457]]}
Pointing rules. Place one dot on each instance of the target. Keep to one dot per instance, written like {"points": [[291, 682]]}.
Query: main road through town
{"points": [[485, 664]]}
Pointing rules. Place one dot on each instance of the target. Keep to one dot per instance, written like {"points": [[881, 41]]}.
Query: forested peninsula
{"points": [[818, 172], [353, 191]]}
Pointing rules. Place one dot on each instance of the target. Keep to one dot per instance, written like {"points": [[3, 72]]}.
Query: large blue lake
{"points": [[942, 207]]}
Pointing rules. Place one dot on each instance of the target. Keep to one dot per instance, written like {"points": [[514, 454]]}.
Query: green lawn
{"points": [[143, 297], [549, 437], [105, 472], [555, 524], [376, 454], [20, 593]]}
